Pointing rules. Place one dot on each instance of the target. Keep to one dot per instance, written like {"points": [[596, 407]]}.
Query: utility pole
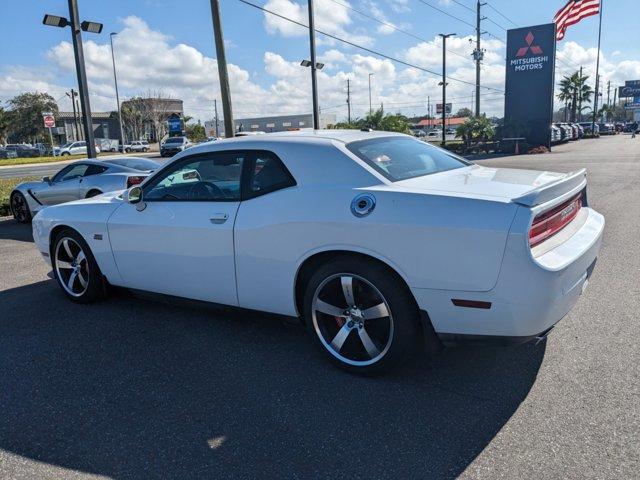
{"points": [[314, 66], [615, 103], [580, 99], [444, 86], [478, 54], [348, 102], [609, 93], [215, 109], [74, 21], [225, 92], [115, 78], [370, 109], [80, 119], [72, 96]]}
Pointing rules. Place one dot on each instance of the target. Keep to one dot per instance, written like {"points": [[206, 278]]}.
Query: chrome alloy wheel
{"points": [[71, 266], [19, 207], [352, 319]]}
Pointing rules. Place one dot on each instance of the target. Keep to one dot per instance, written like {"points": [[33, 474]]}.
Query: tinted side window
{"points": [[94, 170], [71, 172], [206, 177], [268, 174]]}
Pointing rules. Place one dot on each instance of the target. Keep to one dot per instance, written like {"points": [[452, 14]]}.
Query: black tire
{"points": [[88, 269], [93, 193], [20, 208], [64, 153], [128, 150], [395, 337]]}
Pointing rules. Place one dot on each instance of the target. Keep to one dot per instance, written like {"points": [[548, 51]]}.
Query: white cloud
{"points": [[330, 17], [149, 60]]}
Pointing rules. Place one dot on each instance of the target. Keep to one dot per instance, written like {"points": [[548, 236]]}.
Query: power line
{"points": [[501, 14], [347, 42], [447, 14], [392, 26], [464, 6]]}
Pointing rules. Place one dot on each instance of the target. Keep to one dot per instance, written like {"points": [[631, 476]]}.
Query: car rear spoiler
{"points": [[564, 187]]}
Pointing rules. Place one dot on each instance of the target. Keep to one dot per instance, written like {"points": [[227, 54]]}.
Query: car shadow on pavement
{"points": [[12, 230], [130, 388]]}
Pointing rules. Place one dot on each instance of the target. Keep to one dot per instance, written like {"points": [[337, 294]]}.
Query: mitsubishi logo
{"points": [[535, 49]]}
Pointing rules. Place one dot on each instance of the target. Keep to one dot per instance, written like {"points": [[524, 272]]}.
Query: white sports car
{"points": [[375, 239]]}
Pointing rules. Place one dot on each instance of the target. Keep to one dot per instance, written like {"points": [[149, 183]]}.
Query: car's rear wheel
{"points": [[20, 208], [93, 193], [361, 315], [75, 268]]}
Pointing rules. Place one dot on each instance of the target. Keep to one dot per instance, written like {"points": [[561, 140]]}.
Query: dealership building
{"points": [[280, 123]]}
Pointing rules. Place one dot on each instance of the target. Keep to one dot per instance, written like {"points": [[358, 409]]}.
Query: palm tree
{"points": [[566, 94], [574, 91]]}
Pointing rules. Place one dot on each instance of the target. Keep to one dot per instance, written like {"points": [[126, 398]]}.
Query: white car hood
{"points": [[498, 184]]}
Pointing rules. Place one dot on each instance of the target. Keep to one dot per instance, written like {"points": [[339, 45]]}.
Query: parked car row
{"points": [[25, 149], [565, 132]]}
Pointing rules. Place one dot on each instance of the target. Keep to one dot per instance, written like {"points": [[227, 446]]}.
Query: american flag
{"points": [[572, 13]]}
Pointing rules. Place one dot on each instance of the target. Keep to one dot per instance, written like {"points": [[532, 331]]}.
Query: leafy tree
{"points": [[195, 132], [25, 116], [379, 121], [4, 124], [476, 129], [464, 112]]}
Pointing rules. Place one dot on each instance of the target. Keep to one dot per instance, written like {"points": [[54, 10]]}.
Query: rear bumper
{"points": [[530, 296]]}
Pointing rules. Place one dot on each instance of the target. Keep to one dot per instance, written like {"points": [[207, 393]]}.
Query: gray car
{"points": [[81, 179]]}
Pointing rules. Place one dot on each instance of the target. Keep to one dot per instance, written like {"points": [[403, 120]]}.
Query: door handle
{"points": [[219, 218]]}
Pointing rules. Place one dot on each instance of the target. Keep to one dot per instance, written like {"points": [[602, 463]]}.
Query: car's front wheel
{"points": [[20, 208], [75, 268], [361, 315]]}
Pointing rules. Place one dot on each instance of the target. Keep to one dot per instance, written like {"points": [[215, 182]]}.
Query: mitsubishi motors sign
{"points": [[529, 86]]}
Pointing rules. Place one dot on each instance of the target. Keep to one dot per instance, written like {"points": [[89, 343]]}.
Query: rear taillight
{"points": [[131, 181], [551, 222]]}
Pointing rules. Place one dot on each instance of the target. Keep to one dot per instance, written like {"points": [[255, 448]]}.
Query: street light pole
{"points": [[83, 90], [370, 109], [444, 85], [314, 80], [115, 79]]}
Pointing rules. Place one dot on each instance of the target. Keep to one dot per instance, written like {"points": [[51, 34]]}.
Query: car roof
{"points": [[344, 136]]}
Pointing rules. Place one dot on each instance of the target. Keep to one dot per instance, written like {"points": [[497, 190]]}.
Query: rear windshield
{"points": [[399, 158], [136, 163], [174, 140]]}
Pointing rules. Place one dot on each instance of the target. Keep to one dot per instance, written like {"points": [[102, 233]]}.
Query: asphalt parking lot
{"points": [[138, 388]]}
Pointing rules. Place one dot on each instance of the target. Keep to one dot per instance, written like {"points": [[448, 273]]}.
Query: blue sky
{"points": [[168, 46]]}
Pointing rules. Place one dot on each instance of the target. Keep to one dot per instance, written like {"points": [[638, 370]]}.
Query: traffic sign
{"points": [[439, 108], [49, 120]]}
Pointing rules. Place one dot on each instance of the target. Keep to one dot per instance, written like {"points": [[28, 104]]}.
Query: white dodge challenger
{"points": [[378, 241]]}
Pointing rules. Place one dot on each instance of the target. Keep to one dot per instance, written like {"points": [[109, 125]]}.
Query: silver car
{"points": [[81, 179]]}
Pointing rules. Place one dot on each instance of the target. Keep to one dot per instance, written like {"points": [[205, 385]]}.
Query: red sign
{"points": [[49, 121]]}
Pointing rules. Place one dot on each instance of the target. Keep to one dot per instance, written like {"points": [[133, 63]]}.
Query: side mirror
{"points": [[133, 195], [46, 179]]}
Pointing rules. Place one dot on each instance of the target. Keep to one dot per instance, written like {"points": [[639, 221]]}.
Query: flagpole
{"points": [[597, 91]]}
